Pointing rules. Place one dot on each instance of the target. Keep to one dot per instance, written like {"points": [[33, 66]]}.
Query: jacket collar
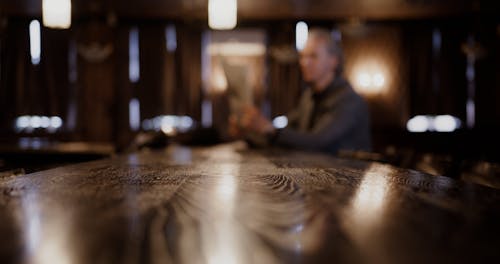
{"points": [[335, 85]]}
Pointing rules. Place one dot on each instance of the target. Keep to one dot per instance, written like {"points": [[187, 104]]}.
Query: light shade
{"points": [[370, 76], [222, 14], [301, 34], [35, 42], [56, 13], [440, 123], [237, 49]]}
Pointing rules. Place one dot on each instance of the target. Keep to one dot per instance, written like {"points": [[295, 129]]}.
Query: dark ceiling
{"points": [[267, 9]]}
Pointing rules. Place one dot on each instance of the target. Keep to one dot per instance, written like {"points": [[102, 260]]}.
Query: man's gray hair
{"points": [[333, 46]]}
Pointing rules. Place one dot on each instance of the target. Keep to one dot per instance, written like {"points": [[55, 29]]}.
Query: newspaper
{"points": [[239, 91], [240, 95]]}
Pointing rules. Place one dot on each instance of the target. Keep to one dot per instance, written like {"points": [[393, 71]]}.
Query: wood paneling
{"points": [[12, 86], [20, 7], [437, 72], [325, 9], [123, 89], [189, 89], [285, 84], [150, 88], [488, 77], [267, 9], [96, 96]]}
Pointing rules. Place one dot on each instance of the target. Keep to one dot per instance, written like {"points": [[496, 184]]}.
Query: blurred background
{"points": [[99, 72]]}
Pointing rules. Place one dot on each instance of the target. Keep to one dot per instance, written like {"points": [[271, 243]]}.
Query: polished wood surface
{"points": [[229, 204]]}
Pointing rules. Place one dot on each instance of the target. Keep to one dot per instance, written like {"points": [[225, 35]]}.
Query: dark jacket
{"points": [[338, 118]]}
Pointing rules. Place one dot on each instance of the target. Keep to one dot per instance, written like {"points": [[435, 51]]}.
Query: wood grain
{"points": [[228, 204], [267, 9]]}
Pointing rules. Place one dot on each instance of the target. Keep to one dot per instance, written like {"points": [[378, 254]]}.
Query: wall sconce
{"points": [[373, 81], [431, 123], [56, 13], [370, 78], [222, 14]]}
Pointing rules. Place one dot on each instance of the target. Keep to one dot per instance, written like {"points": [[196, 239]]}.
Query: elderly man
{"points": [[330, 115]]}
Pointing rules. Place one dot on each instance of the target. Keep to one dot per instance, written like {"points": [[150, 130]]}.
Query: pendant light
{"points": [[222, 14], [56, 13]]}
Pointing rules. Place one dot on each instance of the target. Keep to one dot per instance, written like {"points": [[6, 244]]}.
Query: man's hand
{"points": [[235, 130], [250, 120]]}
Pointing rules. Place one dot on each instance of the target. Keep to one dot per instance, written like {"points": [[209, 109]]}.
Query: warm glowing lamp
{"points": [[56, 13], [222, 14]]}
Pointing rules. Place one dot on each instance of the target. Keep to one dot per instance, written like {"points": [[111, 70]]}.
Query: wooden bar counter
{"points": [[230, 204]]}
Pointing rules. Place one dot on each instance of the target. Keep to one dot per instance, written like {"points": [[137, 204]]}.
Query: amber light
{"points": [[56, 13], [222, 14]]}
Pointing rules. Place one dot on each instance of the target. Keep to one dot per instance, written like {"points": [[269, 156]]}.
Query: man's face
{"points": [[316, 62]]}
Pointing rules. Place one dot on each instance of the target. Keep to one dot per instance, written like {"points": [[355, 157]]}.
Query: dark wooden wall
{"points": [[398, 30], [268, 9], [28, 88], [488, 76], [169, 82], [284, 71]]}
